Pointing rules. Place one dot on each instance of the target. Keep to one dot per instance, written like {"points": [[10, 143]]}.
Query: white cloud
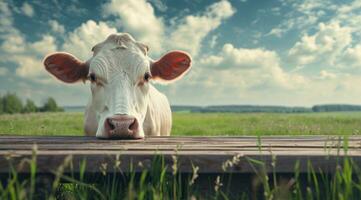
{"points": [[352, 57], [159, 5], [28, 56], [6, 16], [43, 46], [327, 75], [302, 15], [348, 8], [324, 45], [213, 41], [27, 9], [29, 67], [56, 27], [254, 67], [82, 39], [13, 43], [241, 58], [278, 32], [137, 17], [6, 22], [189, 34]]}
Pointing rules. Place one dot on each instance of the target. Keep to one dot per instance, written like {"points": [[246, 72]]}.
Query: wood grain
{"points": [[325, 153]]}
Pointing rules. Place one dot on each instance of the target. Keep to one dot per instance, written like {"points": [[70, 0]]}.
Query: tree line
{"points": [[10, 103], [335, 108], [269, 109]]}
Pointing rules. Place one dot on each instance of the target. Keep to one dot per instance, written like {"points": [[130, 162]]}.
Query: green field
{"points": [[157, 184], [342, 123]]}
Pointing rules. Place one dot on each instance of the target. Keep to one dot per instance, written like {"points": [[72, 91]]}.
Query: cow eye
{"points": [[147, 76], [92, 77]]}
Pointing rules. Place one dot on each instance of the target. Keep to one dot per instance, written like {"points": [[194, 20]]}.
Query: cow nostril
{"points": [[134, 126], [111, 124]]}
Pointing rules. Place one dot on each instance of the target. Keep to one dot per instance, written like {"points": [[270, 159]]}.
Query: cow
{"points": [[123, 102]]}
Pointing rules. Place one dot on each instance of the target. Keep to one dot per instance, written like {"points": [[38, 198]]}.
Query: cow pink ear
{"points": [[66, 67], [171, 66]]}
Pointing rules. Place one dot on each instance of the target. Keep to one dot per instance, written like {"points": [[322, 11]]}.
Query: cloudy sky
{"points": [[244, 51]]}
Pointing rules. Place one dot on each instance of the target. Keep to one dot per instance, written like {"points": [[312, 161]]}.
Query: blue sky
{"points": [[244, 51]]}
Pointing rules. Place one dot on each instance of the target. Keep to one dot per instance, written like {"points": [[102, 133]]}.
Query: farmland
{"points": [[199, 124]]}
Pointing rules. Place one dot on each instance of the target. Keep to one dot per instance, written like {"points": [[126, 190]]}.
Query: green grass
{"points": [[343, 123], [155, 183], [42, 124]]}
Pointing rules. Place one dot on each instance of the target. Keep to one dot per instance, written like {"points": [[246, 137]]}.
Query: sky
{"points": [[274, 52]]}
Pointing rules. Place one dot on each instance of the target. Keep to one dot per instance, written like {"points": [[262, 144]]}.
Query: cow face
{"points": [[119, 73]]}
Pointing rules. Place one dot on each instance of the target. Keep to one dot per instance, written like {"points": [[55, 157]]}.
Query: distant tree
{"points": [[29, 107], [51, 106], [12, 103]]}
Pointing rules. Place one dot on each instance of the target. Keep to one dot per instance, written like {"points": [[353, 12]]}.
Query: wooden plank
{"points": [[207, 163], [226, 141], [175, 138], [208, 153]]}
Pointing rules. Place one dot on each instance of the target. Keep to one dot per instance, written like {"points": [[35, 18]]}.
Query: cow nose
{"points": [[122, 126]]}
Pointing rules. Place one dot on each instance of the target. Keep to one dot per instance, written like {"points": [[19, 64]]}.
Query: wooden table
{"points": [[208, 153]]}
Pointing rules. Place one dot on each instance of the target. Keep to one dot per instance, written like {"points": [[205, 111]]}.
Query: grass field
{"points": [[347, 123], [157, 184]]}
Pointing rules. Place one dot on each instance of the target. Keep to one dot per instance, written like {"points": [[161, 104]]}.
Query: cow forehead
{"points": [[121, 39], [131, 58], [124, 40]]}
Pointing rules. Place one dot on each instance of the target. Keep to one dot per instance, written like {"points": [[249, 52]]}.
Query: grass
{"points": [[42, 124], [157, 183], [343, 123], [163, 181]]}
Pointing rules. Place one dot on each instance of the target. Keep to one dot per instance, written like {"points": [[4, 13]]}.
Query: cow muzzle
{"points": [[121, 127]]}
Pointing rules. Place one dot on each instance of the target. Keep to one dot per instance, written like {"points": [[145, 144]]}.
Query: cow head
{"points": [[119, 73]]}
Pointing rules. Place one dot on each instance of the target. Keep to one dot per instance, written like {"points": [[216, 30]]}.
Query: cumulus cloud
{"points": [[28, 56], [352, 57], [257, 67], [190, 32], [241, 58], [56, 27], [27, 9], [187, 33], [324, 45], [80, 41], [13, 43], [137, 17]]}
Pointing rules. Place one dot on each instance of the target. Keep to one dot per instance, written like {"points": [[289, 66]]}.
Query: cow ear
{"points": [[171, 66], [66, 67]]}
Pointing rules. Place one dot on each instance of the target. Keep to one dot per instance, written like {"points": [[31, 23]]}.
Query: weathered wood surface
{"points": [[208, 153]]}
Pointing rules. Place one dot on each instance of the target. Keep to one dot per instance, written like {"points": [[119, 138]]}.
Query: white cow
{"points": [[123, 103]]}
